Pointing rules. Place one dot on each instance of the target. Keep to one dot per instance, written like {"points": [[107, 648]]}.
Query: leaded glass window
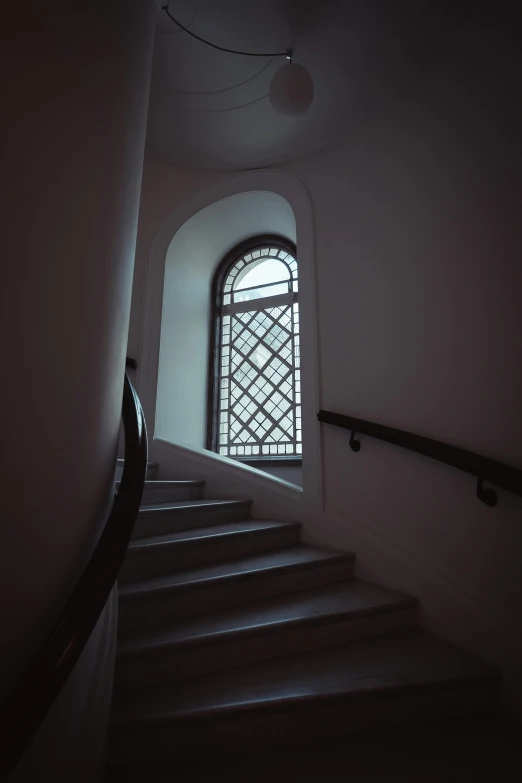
{"points": [[258, 378]]}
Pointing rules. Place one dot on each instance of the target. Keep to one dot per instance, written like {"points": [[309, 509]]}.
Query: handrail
{"points": [[29, 702], [485, 469]]}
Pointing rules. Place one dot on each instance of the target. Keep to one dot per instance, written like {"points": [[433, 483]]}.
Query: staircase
{"points": [[233, 636]]}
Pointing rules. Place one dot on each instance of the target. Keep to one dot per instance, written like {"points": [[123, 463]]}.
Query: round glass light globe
{"points": [[291, 90]]}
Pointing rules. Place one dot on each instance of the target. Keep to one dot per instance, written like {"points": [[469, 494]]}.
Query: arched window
{"points": [[255, 377]]}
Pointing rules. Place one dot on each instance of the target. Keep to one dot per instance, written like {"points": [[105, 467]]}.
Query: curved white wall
{"points": [[192, 258], [73, 136], [83, 707]]}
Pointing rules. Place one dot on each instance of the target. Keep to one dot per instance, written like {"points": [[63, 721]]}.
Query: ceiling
{"points": [[210, 109]]}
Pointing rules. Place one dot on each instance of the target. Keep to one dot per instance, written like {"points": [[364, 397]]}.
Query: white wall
{"points": [[419, 288], [163, 190], [293, 474], [192, 259], [419, 284], [73, 135], [71, 742]]}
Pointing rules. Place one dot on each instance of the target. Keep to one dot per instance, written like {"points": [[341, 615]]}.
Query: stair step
{"points": [[155, 492], [152, 469], [159, 518], [212, 587], [461, 749], [187, 548], [285, 625], [399, 678]]}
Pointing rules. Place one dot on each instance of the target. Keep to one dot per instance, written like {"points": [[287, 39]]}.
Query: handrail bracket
{"points": [[355, 445], [487, 496]]}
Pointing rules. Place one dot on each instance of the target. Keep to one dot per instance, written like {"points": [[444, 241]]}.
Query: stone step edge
{"points": [[167, 483], [190, 506], [248, 632], [128, 594], [137, 549], [287, 703]]}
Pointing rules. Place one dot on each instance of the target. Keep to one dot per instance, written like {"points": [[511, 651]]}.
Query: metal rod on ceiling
{"points": [[287, 54]]}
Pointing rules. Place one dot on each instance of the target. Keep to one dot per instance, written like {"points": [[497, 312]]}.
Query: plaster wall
{"points": [[419, 326], [192, 258], [73, 137]]}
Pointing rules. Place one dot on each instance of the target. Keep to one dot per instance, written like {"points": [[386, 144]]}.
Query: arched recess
{"points": [[292, 191]]}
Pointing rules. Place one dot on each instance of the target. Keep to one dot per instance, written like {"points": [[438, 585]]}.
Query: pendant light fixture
{"points": [[291, 90]]}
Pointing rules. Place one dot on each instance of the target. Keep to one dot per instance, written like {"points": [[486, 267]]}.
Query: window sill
{"points": [[270, 462]]}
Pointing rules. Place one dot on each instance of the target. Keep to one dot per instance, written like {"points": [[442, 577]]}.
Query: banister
{"points": [[29, 702], [483, 468]]}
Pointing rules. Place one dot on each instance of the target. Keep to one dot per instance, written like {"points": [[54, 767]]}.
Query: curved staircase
{"points": [[233, 635]]}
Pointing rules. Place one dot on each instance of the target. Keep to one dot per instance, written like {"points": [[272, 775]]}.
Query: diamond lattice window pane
{"points": [[285, 388], [243, 414], [286, 353], [258, 391], [245, 374], [260, 355], [280, 410], [286, 423]]}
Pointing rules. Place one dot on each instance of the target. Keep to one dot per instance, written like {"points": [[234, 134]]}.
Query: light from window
{"points": [[260, 378]]}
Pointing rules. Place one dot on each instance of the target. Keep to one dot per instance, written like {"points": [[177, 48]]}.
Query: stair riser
{"points": [[158, 523], [178, 663], [171, 494], [152, 472], [190, 555], [246, 730], [169, 605]]}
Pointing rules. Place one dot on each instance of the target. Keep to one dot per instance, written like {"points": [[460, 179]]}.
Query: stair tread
{"points": [[121, 461], [317, 604], [282, 558], [382, 666], [205, 534], [166, 484], [191, 505]]}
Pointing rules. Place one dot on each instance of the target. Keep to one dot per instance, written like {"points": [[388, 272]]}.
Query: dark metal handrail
{"points": [[485, 469], [30, 701]]}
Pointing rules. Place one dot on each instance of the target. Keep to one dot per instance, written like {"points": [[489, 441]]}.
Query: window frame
{"points": [[216, 305]]}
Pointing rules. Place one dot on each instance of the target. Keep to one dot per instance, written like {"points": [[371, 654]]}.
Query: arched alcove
{"points": [[191, 261], [185, 253]]}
